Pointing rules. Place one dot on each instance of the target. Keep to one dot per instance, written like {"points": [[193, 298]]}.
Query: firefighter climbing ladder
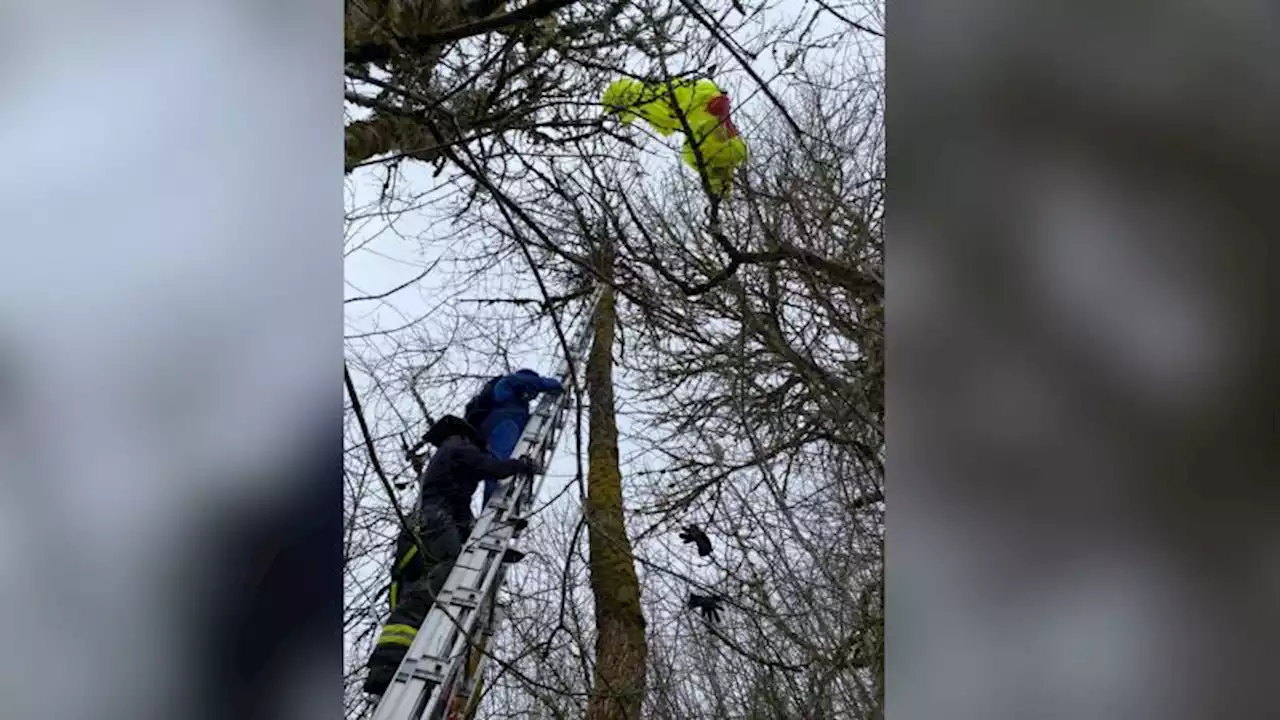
{"points": [[439, 675]]}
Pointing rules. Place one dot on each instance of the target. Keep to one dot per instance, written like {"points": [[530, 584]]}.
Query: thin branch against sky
{"points": [[444, 255]]}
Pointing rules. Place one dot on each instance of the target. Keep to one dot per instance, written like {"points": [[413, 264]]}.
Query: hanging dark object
{"points": [[694, 534], [708, 604]]}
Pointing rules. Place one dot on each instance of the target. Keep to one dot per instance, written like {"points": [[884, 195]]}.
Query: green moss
{"points": [[621, 651]]}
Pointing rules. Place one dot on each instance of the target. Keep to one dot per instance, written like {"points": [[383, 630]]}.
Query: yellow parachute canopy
{"points": [[704, 107]]}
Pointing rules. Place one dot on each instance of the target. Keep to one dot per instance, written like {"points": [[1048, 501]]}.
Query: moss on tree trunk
{"points": [[621, 652]]}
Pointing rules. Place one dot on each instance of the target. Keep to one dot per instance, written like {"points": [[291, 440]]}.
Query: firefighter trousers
{"points": [[416, 579]]}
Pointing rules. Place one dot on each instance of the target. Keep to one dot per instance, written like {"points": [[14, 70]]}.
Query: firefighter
{"points": [[442, 519]]}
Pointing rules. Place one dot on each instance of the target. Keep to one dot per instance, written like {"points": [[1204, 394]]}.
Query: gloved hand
{"points": [[708, 604], [693, 534], [531, 466]]}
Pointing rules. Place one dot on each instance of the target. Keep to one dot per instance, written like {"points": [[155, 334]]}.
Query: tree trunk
{"points": [[384, 21], [621, 652], [385, 134]]}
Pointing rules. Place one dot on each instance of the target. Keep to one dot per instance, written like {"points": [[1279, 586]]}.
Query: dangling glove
{"points": [[708, 604], [693, 534]]}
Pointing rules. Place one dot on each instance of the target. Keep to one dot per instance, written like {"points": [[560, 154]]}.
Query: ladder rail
{"points": [[493, 612], [549, 436], [425, 682], [428, 671], [467, 700]]}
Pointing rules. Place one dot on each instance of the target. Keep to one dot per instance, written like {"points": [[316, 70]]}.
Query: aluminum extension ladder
{"points": [[438, 678]]}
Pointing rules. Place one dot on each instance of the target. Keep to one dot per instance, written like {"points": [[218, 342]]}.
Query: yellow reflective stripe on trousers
{"points": [[404, 561], [397, 635], [400, 566]]}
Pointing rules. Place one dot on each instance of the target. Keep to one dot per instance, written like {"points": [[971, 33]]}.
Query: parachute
{"points": [[704, 107]]}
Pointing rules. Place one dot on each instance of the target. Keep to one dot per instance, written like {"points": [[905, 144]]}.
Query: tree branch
{"points": [[378, 52]]}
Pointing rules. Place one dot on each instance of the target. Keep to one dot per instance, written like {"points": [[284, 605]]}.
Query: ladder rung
{"points": [[466, 599], [430, 669]]}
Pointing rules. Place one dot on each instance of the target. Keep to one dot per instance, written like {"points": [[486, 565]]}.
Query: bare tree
{"points": [[737, 377], [769, 380], [621, 653]]}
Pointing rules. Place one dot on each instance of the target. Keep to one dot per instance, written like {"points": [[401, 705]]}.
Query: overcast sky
{"points": [[389, 256]]}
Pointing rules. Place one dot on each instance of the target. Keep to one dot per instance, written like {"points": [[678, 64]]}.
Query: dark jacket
{"points": [[456, 468]]}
